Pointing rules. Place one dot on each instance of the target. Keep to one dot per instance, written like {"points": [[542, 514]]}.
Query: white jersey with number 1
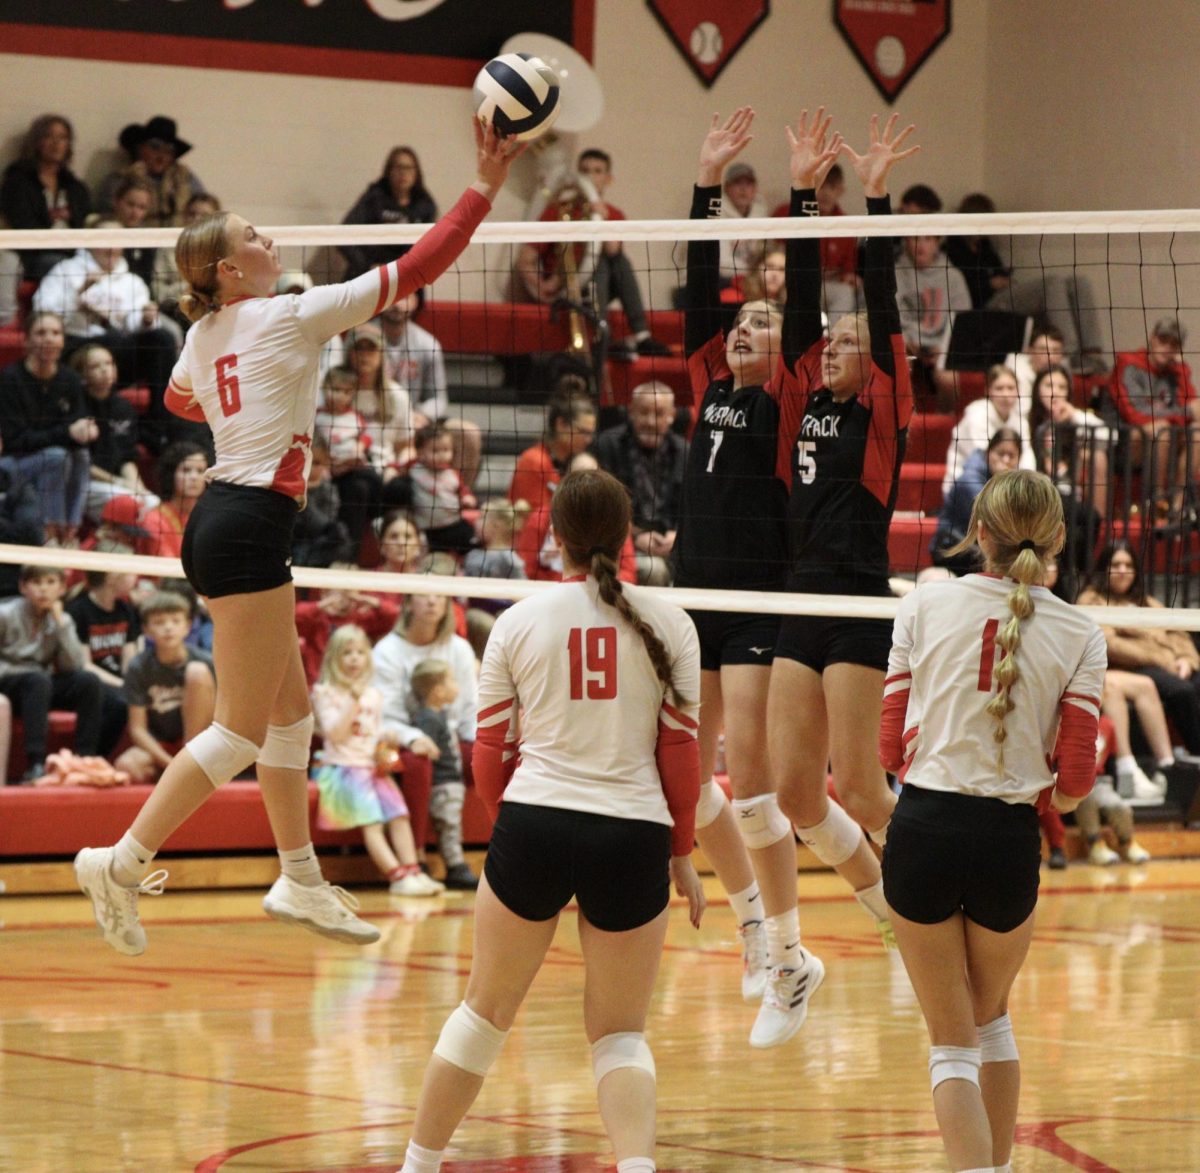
{"points": [[590, 703]]}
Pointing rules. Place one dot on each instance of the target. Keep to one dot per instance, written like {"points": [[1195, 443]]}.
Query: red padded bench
{"points": [[929, 437], [908, 543], [920, 488]]}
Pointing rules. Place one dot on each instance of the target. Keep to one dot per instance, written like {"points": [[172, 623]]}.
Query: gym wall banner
{"points": [[892, 38], [709, 32], [430, 42]]}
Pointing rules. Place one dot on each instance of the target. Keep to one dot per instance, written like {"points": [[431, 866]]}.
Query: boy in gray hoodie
{"points": [[42, 666]]}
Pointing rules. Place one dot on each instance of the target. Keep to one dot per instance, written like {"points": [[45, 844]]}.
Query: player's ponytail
{"points": [[198, 251], [1022, 514], [591, 515]]}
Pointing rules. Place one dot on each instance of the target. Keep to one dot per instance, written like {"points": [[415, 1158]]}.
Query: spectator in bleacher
{"points": [[1000, 407], [47, 429], [200, 624], [648, 458], [1045, 350], [321, 537], [839, 254], [181, 482], [976, 257], [398, 196], [202, 204], [109, 629], [114, 470], [132, 201], [1167, 657], [20, 520], [353, 466], [171, 689], [500, 523], [739, 200], [765, 280], [100, 300], [413, 357], [1071, 446], [154, 151], [438, 494], [383, 403], [1157, 401], [375, 612], [570, 429], [919, 199], [42, 666], [929, 292], [604, 272], [1003, 452], [40, 190]]}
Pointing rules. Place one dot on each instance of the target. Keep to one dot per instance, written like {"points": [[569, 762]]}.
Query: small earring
{"points": [[239, 273]]}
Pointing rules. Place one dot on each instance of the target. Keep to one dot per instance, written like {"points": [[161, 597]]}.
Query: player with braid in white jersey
{"points": [[588, 703], [249, 369], [990, 679]]}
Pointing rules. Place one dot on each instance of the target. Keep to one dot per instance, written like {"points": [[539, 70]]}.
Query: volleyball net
{"points": [[514, 331]]}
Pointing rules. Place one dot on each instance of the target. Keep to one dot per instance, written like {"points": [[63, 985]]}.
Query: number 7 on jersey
{"points": [[593, 659]]}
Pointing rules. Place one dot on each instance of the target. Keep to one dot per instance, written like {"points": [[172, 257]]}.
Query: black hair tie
{"points": [[596, 550], [1027, 544]]}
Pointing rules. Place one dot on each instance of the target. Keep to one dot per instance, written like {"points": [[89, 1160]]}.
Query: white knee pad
{"points": [[469, 1041], [760, 821], [221, 753], [288, 747], [627, 1049], [997, 1044], [834, 839], [953, 1063], [712, 803]]}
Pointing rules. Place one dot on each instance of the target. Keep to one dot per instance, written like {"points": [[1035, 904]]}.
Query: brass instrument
{"points": [[573, 205]]}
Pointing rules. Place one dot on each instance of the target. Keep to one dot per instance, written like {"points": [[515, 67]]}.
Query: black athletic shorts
{"points": [[817, 641], [950, 852], [540, 857], [730, 637], [238, 540]]}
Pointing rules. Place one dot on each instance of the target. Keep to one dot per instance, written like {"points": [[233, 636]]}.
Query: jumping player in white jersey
{"points": [[249, 369], [588, 701], [972, 722], [733, 535]]}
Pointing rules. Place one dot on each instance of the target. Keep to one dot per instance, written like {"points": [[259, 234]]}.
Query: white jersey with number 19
{"points": [[590, 702]]}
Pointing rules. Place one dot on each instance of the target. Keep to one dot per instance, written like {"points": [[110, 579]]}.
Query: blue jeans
{"points": [[60, 476]]}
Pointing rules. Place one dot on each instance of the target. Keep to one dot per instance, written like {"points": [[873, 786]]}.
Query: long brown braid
{"points": [[591, 514]]}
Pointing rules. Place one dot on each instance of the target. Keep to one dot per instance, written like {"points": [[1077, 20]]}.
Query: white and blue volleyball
{"points": [[518, 94]]}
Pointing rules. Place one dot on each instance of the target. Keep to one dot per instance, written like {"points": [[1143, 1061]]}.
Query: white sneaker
{"points": [[1135, 852], [324, 909], [754, 960], [1102, 855], [113, 905], [1137, 790], [416, 884], [785, 1001]]}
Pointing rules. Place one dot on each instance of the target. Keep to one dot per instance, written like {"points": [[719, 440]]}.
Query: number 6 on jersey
{"points": [[593, 656]]}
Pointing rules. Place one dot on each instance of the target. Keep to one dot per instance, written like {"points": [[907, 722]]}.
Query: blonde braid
{"points": [[1026, 569]]}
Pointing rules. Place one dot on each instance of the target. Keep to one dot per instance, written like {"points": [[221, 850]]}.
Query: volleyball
{"points": [[518, 94]]}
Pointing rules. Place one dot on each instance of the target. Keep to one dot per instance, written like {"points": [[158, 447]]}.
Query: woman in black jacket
{"points": [[41, 191], [398, 196]]}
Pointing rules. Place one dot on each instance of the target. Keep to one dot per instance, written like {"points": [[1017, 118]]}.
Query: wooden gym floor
{"points": [[236, 1044]]}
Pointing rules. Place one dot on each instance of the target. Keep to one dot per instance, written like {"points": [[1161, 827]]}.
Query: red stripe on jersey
{"points": [[1079, 696], [492, 710], [291, 475], [682, 718], [987, 658], [899, 676], [385, 286]]}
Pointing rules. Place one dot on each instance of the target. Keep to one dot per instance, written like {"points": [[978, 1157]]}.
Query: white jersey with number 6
{"points": [[590, 703], [944, 654]]}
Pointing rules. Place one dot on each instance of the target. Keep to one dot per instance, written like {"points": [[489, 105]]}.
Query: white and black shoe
{"points": [[754, 960], [785, 1001]]}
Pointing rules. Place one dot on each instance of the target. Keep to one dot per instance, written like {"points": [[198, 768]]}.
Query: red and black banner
{"points": [[709, 32], [892, 38], [433, 42]]}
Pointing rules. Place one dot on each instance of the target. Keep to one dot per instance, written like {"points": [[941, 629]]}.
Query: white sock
{"points": [[747, 905], [1164, 763], [879, 835], [420, 1160], [783, 939], [872, 900], [1126, 764], [302, 865], [641, 336], [636, 1165], [131, 861]]}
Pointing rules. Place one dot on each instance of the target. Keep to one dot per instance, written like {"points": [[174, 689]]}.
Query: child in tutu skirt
{"points": [[354, 779]]}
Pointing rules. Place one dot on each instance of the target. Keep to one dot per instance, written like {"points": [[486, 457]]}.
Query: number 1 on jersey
{"points": [[593, 663], [229, 393], [717, 438], [987, 657]]}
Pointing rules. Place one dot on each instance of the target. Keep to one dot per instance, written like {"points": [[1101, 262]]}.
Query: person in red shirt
{"points": [[181, 481], [570, 428], [1156, 400]]}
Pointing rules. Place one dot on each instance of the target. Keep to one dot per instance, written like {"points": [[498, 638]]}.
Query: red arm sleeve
{"points": [[678, 759], [891, 723], [180, 402], [1076, 748], [495, 756]]}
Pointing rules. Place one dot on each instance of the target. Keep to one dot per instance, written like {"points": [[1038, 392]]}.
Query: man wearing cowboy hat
{"points": [[155, 150]]}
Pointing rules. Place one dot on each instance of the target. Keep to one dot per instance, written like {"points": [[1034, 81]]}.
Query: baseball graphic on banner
{"points": [[706, 42]]}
